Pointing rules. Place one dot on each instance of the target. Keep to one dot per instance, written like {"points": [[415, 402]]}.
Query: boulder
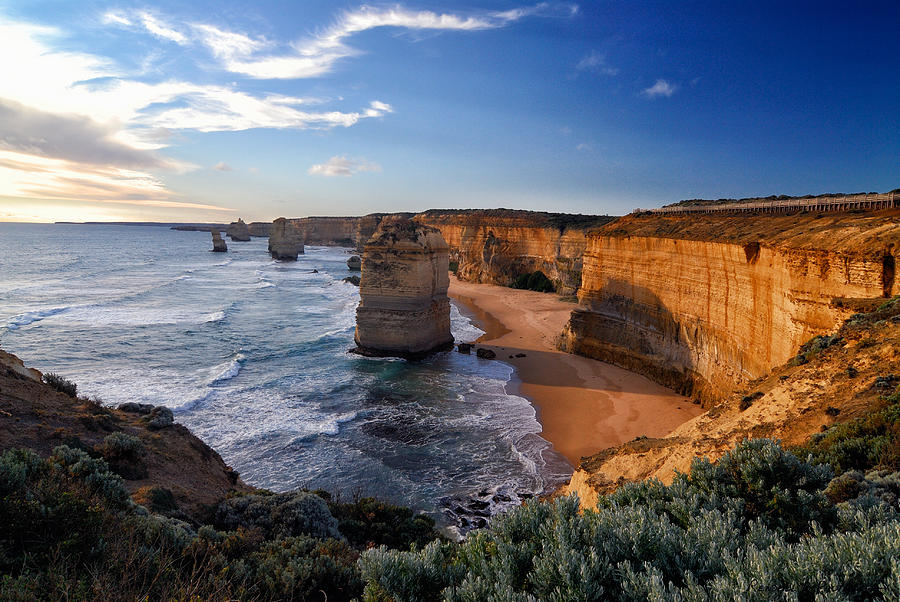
{"points": [[485, 354], [159, 417], [238, 231], [354, 263], [464, 348], [285, 241], [354, 280], [219, 245], [404, 310]]}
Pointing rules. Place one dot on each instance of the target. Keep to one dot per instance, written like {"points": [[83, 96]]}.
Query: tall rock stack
{"points": [[219, 245], [238, 231], [285, 241], [404, 310]]}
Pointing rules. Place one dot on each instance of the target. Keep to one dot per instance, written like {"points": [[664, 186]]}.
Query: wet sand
{"points": [[583, 405]]}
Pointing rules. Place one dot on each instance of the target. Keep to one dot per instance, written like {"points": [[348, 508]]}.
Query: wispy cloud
{"points": [[317, 55], [661, 88], [222, 166], [343, 166], [585, 147], [596, 62], [160, 29]]}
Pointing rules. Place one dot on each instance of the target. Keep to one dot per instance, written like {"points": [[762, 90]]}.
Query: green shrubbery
{"points": [[68, 529], [757, 524], [535, 281], [867, 442], [63, 385], [753, 526]]}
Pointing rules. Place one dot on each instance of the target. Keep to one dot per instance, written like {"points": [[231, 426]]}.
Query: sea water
{"points": [[251, 355]]}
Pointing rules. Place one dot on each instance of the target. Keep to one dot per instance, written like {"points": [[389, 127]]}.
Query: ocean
{"points": [[251, 355]]}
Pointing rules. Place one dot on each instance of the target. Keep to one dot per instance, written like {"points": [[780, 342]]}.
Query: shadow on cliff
{"points": [[629, 326]]}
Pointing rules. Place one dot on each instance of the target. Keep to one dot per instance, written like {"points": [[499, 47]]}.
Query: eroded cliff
{"points": [[706, 303], [496, 246]]}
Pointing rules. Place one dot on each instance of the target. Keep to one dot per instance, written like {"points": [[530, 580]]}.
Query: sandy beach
{"points": [[583, 405]]}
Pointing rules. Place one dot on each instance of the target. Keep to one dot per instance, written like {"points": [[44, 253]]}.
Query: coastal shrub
{"points": [[535, 281], [367, 522], [278, 515], [867, 442], [751, 527], [61, 384], [69, 531], [125, 455]]}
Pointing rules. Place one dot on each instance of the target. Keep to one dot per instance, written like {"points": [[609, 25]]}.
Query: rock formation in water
{"points": [[238, 231], [707, 303], [404, 310], [219, 245], [285, 242], [354, 263]]}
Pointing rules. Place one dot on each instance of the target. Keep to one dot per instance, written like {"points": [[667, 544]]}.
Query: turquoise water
{"points": [[251, 354]]}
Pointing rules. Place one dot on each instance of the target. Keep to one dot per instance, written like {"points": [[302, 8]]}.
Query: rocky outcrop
{"points": [[17, 367], [497, 246], [238, 231], [354, 263], [706, 303], [404, 310], [219, 245], [285, 242]]}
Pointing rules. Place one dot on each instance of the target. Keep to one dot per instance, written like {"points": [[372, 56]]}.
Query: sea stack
{"points": [[219, 245], [404, 310], [354, 264], [238, 231], [285, 242]]}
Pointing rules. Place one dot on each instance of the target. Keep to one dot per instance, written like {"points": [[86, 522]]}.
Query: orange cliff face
{"points": [[496, 246], [706, 303]]}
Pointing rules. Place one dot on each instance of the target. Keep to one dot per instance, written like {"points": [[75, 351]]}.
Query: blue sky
{"points": [[182, 111]]}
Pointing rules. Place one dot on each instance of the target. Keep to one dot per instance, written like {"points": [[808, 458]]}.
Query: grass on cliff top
{"points": [[773, 197]]}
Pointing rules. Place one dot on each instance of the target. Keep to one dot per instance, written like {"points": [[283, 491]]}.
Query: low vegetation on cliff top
{"points": [[760, 524]]}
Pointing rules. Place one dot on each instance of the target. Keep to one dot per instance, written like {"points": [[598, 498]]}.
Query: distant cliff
{"points": [[706, 303], [496, 246]]}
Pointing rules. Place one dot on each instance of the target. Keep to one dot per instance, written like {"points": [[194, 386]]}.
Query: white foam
{"points": [[227, 370], [30, 317], [216, 316]]}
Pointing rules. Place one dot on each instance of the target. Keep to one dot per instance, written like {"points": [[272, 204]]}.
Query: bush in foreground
{"points": [[755, 526]]}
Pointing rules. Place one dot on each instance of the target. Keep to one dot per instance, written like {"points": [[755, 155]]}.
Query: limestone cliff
{"points": [[285, 241], [706, 303], [238, 231], [260, 228], [497, 246], [404, 310], [836, 379]]}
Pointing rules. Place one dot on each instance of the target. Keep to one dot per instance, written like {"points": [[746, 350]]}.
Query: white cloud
{"points": [[222, 166], [317, 56], [343, 166], [584, 147], [661, 88], [161, 30], [227, 44], [117, 19], [596, 62]]}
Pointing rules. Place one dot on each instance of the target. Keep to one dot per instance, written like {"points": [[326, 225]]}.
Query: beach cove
{"points": [[583, 405]]}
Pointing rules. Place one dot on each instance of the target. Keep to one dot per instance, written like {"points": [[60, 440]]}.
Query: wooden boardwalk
{"points": [[853, 202]]}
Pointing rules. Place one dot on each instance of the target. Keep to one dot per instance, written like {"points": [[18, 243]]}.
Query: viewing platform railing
{"points": [[852, 202]]}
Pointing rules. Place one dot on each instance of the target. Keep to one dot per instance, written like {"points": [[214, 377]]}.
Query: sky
{"points": [[210, 111]]}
